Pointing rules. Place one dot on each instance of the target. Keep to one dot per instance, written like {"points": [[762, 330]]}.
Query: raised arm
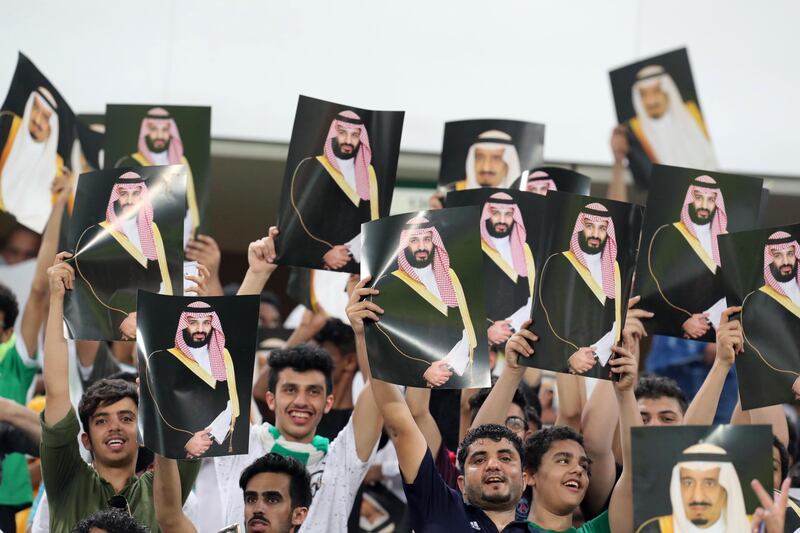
{"points": [[168, 499], [407, 438], [494, 409], [260, 263], [772, 415], [21, 418], [620, 511], [570, 402], [56, 363], [418, 401], [311, 324], [599, 420], [730, 341], [617, 190], [205, 250]]}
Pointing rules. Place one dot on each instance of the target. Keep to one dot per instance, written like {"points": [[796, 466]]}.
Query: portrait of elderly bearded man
{"points": [[424, 301], [28, 160], [771, 315], [683, 263], [492, 161], [116, 257], [509, 267], [193, 388], [591, 325], [669, 130], [160, 144], [705, 493], [342, 182]]}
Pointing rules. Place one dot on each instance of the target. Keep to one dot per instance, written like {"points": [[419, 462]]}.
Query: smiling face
{"points": [[493, 478], [490, 167], [299, 402], [703, 207], [562, 479], [112, 434], [268, 505], [199, 328], [703, 496], [39, 123], [347, 139], [129, 198]]}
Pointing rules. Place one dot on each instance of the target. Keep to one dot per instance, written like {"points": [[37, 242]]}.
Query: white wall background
{"points": [[437, 60]]}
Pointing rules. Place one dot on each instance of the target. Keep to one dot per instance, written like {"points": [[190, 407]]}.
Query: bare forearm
{"points": [[621, 506], [617, 189], [704, 405], [494, 409], [418, 401], [367, 423], [167, 497], [569, 400], [21, 418], [56, 365], [407, 438], [599, 420], [772, 416], [253, 282], [299, 336]]}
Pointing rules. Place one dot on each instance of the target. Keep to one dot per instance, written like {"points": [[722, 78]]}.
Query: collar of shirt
{"points": [[131, 230], [791, 290], [479, 521], [201, 356], [503, 247], [703, 233], [428, 279], [348, 169]]}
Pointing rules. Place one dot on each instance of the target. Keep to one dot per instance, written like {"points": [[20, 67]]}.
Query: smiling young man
{"points": [[299, 392], [108, 413]]}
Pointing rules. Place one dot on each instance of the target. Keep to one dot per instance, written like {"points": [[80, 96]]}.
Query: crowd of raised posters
{"points": [[516, 242]]}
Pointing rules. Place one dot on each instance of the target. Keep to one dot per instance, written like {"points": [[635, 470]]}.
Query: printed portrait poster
{"points": [[657, 102], [679, 276], [322, 291], [146, 135], [760, 271], [37, 133], [697, 478], [125, 234], [428, 267], [543, 179], [584, 283], [509, 226], [196, 360], [340, 173], [489, 152]]}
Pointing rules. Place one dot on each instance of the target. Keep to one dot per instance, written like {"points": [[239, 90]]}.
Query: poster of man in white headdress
{"points": [[760, 268], [656, 100], [489, 152], [694, 479], [196, 366], [509, 225], [584, 283], [429, 271], [37, 131], [679, 275], [542, 180], [340, 173], [145, 135], [125, 235]]}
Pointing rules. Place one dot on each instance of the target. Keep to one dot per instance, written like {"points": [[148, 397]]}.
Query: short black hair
{"points": [[104, 392], [301, 358], [495, 432], [784, 455], [111, 520], [269, 297], [299, 480], [653, 387], [339, 334], [125, 375], [533, 418], [477, 401], [541, 441], [9, 306]]}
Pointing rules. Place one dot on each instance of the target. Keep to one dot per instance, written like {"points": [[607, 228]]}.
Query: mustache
{"points": [[699, 504], [258, 516]]}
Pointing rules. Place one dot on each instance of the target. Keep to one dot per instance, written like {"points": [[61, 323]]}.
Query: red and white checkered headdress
{"points": [[350, 120], [216, 344], [597, 212], [502, 200], [144, 217], [779, 241], [539, 176], [419, 226], [719, 225], [159, 115]]}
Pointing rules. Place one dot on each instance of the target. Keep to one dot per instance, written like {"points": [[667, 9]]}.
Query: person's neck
{"points": [[117, 477], [343, 392], [501, 518], [547, 519]]}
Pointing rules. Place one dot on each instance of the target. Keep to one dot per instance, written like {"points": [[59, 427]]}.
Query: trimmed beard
{"points": [[498, 234], [783, 278], [337, 150], [416, 263], [701, 221], [583, 242], [191, 343], [151, 145]]}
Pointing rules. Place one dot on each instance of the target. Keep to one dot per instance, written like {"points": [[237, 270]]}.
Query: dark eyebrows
{"points": [[563, 455]]}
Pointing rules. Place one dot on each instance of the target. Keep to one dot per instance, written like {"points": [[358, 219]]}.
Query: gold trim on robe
{"points": [[696, 246], [785, 301], [422, 290], [508, 269], [636, 127], [769, 291], [137, 254]]}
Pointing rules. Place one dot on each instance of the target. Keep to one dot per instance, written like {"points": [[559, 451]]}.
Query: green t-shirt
{"points": [[598, 524], [75, 490], [16, 375]]}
